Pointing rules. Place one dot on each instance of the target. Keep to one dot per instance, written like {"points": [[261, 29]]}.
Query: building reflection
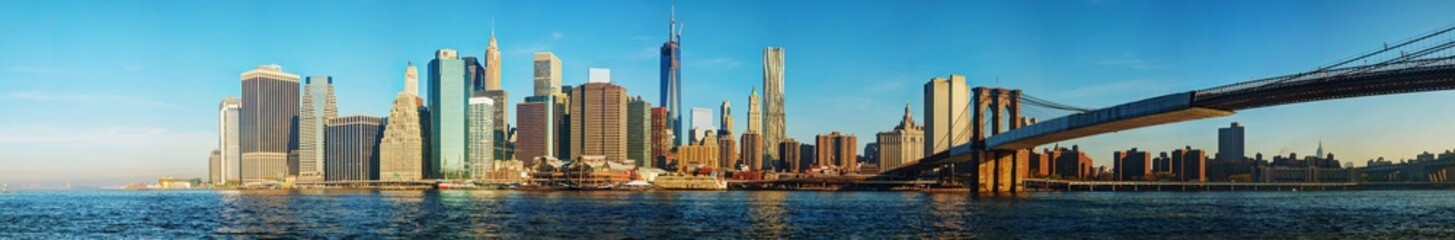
{"points": [[766, 216]]}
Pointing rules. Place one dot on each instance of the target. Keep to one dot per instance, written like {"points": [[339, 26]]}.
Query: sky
{"points": [[110, 92]]}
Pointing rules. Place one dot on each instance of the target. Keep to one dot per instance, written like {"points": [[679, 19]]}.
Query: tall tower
{"points": [[269, 123], [1230, 143], [599, 121], [401, 152], [947, 119], [448, 93], [492, 64], [773, 122], [319, 106], [547, 74], [639, 131], [672, 77], [482, 137], [726, 119], [227, 139], [755, 116]]}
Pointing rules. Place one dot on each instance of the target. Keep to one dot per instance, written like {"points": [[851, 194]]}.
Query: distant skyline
{"points": [[111, 92]]}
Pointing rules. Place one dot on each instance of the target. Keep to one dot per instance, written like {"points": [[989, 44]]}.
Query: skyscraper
{"points": [[319, 106], [1230, 143], [269, 123], [536, 132], [902, 146], [448, 93], [481, 137], [228, 130], [773, 120], [838, 150], [672, 77], [547, 74], [353, 148], [402, 150], [947, 120], [725, 119], [492, 65], [755, 116], [639, 131], [599, 121], [474, 75]]}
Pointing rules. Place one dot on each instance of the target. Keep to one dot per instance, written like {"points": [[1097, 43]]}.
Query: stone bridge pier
{"points": [[990, 170]]}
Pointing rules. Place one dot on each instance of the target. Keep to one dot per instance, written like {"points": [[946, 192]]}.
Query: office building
{"points": [[755, 115], [599, 121], [947, 121], [268, 123], [448, 93], [481, 137], [725, 119], [318, 106], [474, 75], [902, 146], [774, 124], [639, 131], [671, 84], [838, 150], [547, 74], [1230, 143], [352, 150], [492, 66], [1132, 165], [537, 120], [402, 150], [228, 140]]}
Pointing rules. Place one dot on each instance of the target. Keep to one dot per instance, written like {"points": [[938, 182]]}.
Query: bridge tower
{"points": [[995, 170]]}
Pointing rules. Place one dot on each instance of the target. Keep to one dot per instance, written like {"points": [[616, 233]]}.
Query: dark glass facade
{"points": [[352, 149], [269, 123]]}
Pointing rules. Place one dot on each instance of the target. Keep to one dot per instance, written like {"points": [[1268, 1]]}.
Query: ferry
{"points": [[5, 188]]}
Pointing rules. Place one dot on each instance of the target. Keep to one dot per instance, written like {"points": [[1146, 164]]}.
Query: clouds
{"points": [[111, 100]]}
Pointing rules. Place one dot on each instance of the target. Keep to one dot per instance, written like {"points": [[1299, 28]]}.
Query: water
{"points": [[732, 215]]}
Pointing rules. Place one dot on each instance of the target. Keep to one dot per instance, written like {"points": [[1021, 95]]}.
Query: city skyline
{"points": [[816, 102]]}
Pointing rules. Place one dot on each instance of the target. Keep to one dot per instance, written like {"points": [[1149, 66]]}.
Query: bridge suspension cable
{"points": [[1409, 52], [1035, 101]]}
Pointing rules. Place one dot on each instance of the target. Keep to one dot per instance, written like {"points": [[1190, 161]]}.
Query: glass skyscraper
{"points": [[269, 123], [448, 90], [318, 106], [672, 78], [774, 125], [353, 148]]}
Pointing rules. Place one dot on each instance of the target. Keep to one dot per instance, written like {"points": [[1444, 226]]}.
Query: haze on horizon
{"points": [[112, 92]]}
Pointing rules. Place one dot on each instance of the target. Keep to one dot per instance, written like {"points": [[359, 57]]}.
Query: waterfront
{"points": [[721, 214]]}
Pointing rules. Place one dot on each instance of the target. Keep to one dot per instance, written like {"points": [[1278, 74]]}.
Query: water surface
{"points": [[730, 214]]}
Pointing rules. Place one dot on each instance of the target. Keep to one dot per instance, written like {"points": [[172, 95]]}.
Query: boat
{"points": [[5, 188]]}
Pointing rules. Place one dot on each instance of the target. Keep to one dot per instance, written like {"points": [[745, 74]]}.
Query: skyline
{"points": [[719, 64]]}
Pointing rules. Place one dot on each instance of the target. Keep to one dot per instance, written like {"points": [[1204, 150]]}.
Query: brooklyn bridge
{"points": [[996, 159]]}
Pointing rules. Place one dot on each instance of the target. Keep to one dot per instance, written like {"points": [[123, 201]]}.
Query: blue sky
{"points": [[107, 92]]}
